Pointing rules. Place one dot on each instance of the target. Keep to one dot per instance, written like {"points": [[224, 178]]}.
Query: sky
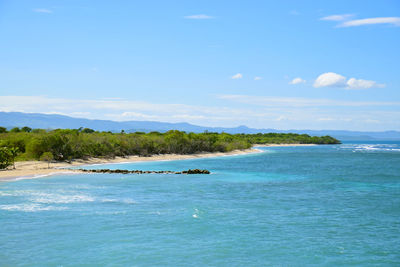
{"points": [[332, 65]]}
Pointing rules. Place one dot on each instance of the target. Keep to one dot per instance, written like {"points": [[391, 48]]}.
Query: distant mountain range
{"points": [[46, 121]]}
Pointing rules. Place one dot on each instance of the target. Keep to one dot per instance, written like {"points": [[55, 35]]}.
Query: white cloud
{"points": [[42, 10], [281, 118], [354, 83], [188, 117], [137, 115], [370, 21], [237, 76], [299, 102], [257, 78], [255, 111], [326, 119], [199, 16], [330, 79], [123, 110], [337, 17], [297, 80]]}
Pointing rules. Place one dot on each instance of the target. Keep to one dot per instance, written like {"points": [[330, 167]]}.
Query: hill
{"points": [[52, 121]]}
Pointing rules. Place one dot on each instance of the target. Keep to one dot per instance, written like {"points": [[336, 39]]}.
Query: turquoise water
{"points": [[288, 206]]}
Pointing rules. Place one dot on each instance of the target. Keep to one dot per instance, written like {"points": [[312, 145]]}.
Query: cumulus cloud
{"points": [[370, 21], [330, 79], [337, 17], [354, 83], [199, 16], [257, 78], [297, 80], [42, 10], [237, 76]]}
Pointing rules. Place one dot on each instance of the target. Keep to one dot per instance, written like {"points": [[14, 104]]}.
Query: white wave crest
{"points": [[49, 198], [116, 200], [371, 147], [31, 207]]}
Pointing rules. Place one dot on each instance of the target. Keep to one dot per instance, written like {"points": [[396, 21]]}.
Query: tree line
{"points": [[67, 144]]}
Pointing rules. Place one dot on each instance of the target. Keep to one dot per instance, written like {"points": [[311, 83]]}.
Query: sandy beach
{"points": [[40, 168], [31, 169]]}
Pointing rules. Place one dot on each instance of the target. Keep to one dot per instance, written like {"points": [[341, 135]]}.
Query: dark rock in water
{"points": [[190, 171], [198, 171]]}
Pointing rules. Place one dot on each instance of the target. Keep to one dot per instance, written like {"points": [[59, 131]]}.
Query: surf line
{"points": [[190, 171]]}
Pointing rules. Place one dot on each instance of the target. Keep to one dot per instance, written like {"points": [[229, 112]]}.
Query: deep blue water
{"points": [[289, 206]]}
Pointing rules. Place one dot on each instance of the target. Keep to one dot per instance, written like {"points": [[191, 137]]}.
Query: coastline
{"points": [[282, 145], [35, 169]]}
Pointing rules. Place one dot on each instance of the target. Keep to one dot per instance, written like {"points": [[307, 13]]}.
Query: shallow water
{"points": [[289, 206]]}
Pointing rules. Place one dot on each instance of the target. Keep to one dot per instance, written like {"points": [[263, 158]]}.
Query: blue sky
{"points": [[264, 64]]}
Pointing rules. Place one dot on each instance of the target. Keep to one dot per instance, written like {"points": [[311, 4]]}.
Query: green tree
{"points": [[26, 129], [66, 144], [47, 156], [15, 130], [5, 157], [13, 154], [87, 130], [36, 146], [3, 129]]}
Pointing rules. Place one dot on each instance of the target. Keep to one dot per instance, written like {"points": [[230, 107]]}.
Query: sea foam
{"points": [[30, 207]]}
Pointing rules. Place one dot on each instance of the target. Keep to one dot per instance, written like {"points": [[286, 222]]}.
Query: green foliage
{"points": [[288, 138], [39, 131], [13, 154], [47, 156], [26, 129], [66, 144], [3, 130], [87, 130], [5, 157], [15, 130]]}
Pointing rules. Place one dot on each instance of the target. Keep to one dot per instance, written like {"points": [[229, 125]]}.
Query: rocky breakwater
{"points": [[190, 171]]}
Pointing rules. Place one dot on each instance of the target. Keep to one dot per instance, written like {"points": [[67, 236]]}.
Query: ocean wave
{"points": [[16, 193], [107, 213], [30, 207], [5, 194], [49, 198], [62, 197], [371, 147], [121, 200], [86, 187], [41, 175]]}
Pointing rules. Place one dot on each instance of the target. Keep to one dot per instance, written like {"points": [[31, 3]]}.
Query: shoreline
{"points": [[282, 145], [36, 169]]}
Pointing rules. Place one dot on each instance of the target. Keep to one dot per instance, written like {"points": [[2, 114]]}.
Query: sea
{"points": [[329, 205]]}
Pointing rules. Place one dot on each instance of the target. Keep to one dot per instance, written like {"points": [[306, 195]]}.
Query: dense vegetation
{"points": [[288, 138], [66, 144]]}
